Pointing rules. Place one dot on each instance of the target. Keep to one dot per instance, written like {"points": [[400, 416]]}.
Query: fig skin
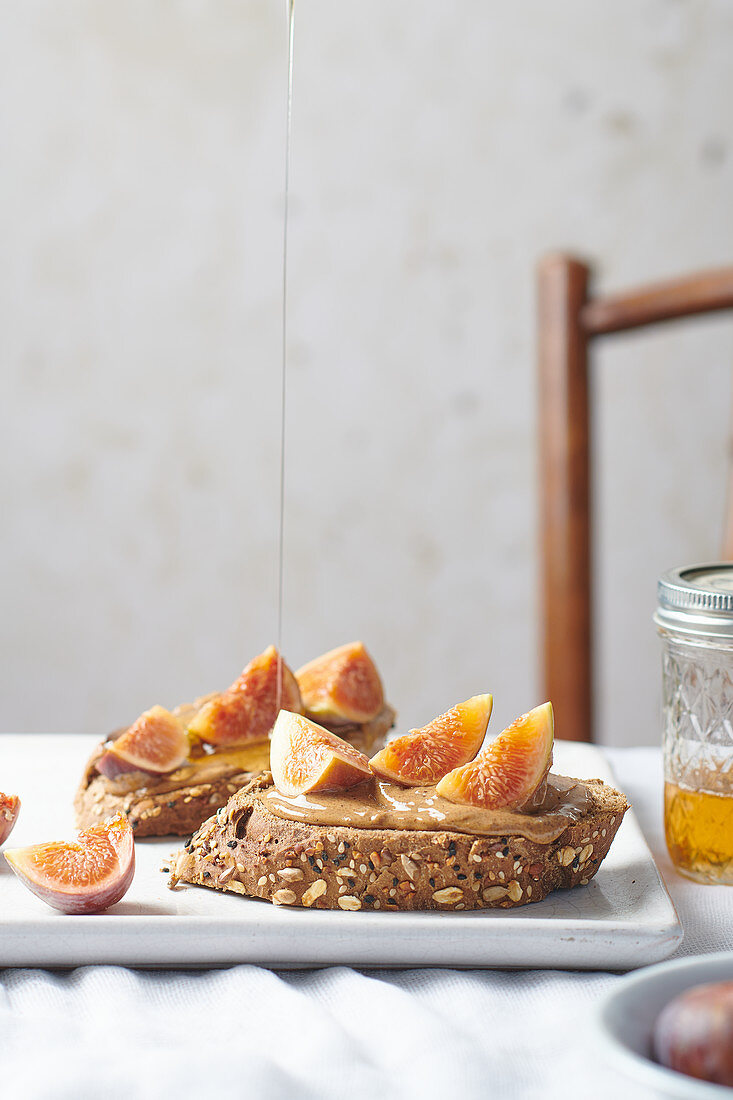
{"points": [[111, 766], [9, 809], [694, 1033], [305, 757], [78, 886]]}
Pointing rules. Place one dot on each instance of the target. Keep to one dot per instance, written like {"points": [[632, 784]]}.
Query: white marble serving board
{"points": [[623, 919]]}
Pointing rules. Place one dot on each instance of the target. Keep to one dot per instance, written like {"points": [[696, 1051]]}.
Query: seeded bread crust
{"points": [[161, 808], [158, 809], [245, 849]]}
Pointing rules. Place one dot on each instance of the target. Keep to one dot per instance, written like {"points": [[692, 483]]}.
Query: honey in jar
{"points": [[699, 831], [695, 621]]}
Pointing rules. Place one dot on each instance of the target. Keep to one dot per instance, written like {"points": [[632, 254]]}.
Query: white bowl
{"points": [[625, 1021]]}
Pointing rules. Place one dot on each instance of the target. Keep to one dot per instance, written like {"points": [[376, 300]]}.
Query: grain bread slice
{"points": [[245, 849], [167, 806]]}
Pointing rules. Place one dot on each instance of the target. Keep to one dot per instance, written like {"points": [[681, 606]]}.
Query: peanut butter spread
{"points": [[206, 768], [377, 804]]}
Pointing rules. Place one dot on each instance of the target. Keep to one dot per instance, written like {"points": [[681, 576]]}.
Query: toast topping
{"points": [[378, 804], [425, 755], [341, 686], [199, 770], [505, 790], [306, 757], [156, 742], [511, 772], [201, 740], [247, 710]]}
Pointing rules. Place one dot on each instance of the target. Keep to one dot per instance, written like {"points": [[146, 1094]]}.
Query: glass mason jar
{"points": [[694, 619]]}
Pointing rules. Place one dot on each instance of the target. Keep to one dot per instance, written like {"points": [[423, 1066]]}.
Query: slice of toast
{"points": [[175, 804], [245, 849]]}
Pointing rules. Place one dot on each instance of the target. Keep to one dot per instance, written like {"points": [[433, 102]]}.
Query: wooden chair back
{"points": [[571, 321]]}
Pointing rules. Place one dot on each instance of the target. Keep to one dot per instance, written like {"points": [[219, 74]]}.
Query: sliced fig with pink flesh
{"points": [[247, 711], [511, 770], [157, 742], [305, 757], [423, 756], [341, 686]]}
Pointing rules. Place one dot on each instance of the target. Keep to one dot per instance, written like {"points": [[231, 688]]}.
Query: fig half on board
{"points": [[87, 875]]}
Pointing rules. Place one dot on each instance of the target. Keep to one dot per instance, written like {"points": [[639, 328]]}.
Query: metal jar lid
{"points": [[697, 600]]}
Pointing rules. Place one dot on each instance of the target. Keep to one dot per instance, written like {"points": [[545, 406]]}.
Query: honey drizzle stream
{"points": [[280, 567]]}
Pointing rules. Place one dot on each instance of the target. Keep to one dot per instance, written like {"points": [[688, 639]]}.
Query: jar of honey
{"points": [[694, 618]]}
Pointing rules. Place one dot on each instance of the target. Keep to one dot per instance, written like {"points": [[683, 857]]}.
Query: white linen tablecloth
{"points": [[106, 1032]]}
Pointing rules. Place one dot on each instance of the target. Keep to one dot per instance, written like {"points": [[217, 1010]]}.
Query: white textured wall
{"points": [[439, 149]]}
